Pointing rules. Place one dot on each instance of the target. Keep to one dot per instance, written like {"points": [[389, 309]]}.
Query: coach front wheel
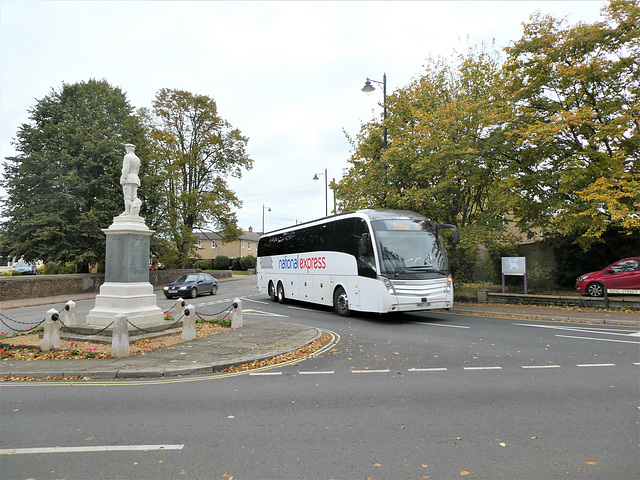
{"points": [[341, 302]]}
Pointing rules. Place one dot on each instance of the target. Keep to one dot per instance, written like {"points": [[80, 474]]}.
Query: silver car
{"points": [[26, 268]]}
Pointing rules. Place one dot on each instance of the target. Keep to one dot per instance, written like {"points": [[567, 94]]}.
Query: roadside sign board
{"points": [[514, 266]]}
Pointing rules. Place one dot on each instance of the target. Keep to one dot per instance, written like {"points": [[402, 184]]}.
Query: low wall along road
{"points": [[16, 288]]}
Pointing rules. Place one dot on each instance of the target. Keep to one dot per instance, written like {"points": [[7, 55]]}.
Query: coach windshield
{"points": [[408, 248]]}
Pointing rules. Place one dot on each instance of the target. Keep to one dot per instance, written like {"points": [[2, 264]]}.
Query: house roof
{"points": [[210, 235]]}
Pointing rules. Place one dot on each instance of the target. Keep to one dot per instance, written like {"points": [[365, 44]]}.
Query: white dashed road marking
{"points": [[483, 368], [370, 371], [440, 369], [597, 365], [95, 448], [541, 366]]}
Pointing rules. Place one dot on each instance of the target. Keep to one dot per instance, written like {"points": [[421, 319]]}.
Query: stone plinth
{"points": [[127, 289]]}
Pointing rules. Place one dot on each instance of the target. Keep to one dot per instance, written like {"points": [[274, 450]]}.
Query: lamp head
{"points": [[315, 176], [368, 88]]}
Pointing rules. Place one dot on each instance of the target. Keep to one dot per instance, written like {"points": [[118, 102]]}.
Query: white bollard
{"points": [[51, 336], [236, 316], [69, 313], [180, 304], [120, 336], [189, 323]]}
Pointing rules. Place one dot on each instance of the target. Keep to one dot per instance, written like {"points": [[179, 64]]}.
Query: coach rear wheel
{"points": [[281, 296], [341, 302], [272, 292]]}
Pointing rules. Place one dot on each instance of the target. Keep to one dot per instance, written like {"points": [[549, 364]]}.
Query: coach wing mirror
{"points": [[453, 228], [365, 241]]}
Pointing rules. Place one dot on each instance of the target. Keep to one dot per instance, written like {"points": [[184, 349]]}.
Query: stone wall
{"points": [[15, 288], [630, 302]]}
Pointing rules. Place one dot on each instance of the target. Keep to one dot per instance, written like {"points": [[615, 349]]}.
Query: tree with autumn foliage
{"points": [[194, 151], [445, 154], [575, 132], [548, 138]]}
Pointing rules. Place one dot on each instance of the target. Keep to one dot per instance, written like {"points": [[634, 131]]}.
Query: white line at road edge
{"points": [[95, 448], [328, 372], [266, 373], [441, 325], [255, 301], [598, 339], [598, 330], [249, 311]]}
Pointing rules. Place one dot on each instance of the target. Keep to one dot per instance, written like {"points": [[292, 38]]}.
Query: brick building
{"points": [[211, 245]]}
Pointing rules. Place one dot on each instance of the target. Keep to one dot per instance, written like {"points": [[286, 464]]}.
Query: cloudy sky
{"points": [[287, 74]]}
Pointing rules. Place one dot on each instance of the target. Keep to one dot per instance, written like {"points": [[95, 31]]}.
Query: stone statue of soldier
{"points": [[130, 181]]}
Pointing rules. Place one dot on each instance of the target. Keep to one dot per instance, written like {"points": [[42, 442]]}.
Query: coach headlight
{"points": [[449, 284], [388, 285]]}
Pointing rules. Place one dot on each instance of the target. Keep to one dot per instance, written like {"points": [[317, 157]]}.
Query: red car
{"points": [[622, 275]]}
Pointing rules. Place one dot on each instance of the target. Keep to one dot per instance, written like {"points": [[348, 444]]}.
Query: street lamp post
{"points": [[326, 186], [368, 88], [263, 207]]}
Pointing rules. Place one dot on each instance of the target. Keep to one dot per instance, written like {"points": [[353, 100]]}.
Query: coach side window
{"points": [[343, 237], [364, 248]]}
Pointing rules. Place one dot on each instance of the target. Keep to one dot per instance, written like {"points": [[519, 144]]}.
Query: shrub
{"points": [[55, 268], [221, 262], [235, 264], [10, 273], [248, 262], [204, 264]]}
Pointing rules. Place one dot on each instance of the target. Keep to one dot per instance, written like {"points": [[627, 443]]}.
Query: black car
{"points": [[191, 285]]}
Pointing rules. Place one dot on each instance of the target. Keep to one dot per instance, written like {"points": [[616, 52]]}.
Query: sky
{"points": [[286, 74]]}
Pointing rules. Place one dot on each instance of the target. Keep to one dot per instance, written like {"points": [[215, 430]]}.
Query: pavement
{"points": [[256, 340]]}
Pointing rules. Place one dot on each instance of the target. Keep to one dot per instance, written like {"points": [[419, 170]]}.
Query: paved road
{"points": [[431, 395]]}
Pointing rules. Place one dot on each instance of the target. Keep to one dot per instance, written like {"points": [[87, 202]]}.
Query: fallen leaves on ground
{"points": [[26, 347], [144, 346], [305, 351]]}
